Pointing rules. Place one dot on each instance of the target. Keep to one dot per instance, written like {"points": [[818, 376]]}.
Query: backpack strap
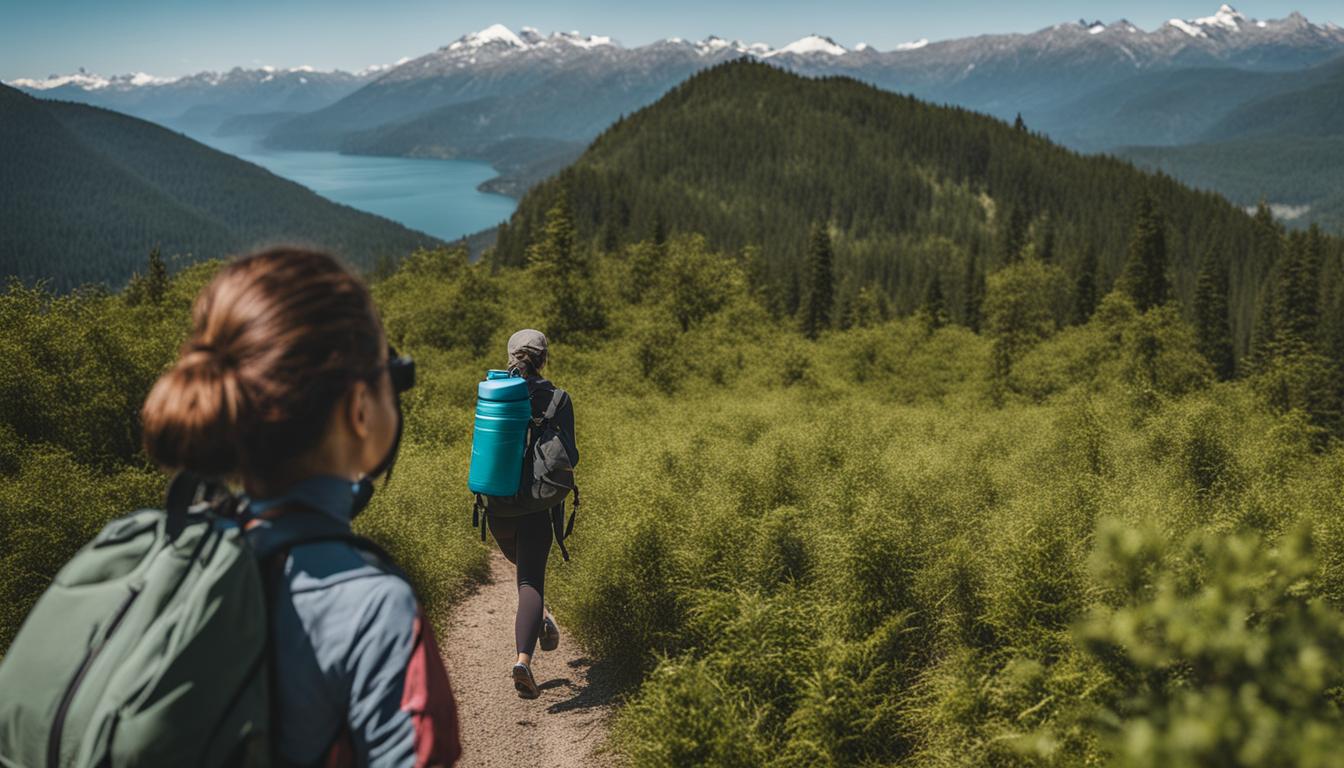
{"points": [[479, 510], [560, 527], [189, 493], [558, 397]]}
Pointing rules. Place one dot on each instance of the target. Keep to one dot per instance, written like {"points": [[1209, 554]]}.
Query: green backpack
{"points": [[149, 648]]}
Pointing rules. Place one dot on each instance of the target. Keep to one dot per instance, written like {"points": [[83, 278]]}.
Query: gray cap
{"points": [[528, 342]]}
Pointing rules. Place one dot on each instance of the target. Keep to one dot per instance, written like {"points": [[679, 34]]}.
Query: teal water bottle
{"points": [[503, 410]]}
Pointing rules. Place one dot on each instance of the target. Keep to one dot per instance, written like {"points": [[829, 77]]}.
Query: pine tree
{"points": [[973, 294], [1085, 288], [1267, 245], [570, 303], [1045, 239], [935, 305], [1145, 278], [659, 236], [819, 292], [1298, 299], [1264, 335], [1213, 329], [1019, 123], [156, 279], [1013, 230]]}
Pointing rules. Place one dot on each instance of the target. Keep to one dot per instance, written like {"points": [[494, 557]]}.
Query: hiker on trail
{"points": [[288, 381], [525, 536], [254, 629]]}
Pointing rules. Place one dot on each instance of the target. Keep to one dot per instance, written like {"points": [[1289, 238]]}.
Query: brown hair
{"points": [[278, 338]]}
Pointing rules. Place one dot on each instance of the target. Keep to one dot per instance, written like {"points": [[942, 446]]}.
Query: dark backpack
{"points": [[151, 646], [547, 473]]}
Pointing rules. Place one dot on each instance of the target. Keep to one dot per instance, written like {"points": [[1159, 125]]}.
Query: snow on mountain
{"points": [[1226, 17], [374, 69], [87, 81], [496, 33], [576, 39], [913, 45], [1188, 28], [812, 45]]}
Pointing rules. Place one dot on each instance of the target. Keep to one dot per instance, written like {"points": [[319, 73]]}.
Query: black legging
{"points": [[526, 542]]}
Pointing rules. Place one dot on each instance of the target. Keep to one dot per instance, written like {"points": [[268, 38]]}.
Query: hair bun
{"points": [[192, 413]]}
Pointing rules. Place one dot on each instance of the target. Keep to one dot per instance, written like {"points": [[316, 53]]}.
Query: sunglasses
{"points": [[401, 370]]}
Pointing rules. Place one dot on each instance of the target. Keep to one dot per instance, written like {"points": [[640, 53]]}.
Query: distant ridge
{"points": [[86, 193]]}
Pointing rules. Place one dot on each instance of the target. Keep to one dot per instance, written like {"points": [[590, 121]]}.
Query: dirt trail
{"points": [[564, 727]]}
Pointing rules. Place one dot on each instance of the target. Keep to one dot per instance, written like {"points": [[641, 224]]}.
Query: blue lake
{"points": [[438, 197]]}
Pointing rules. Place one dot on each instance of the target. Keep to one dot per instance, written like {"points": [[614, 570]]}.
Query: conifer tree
{"points": [[935, 304], [1264, 335], [1019, 123], [1013, 231], [1298, 299], [973, 294], [564, 273], [1213, 330], [1045, 239], [1145, 278], [1268, 236], [819, 292], [156, 279], [1085, 288]]}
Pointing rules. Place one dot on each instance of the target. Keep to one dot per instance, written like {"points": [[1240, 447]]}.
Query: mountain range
{"points": [[528, 103], [1041, 75]]}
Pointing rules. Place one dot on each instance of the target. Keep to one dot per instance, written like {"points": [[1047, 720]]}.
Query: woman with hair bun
{"points": [[287, 385]]}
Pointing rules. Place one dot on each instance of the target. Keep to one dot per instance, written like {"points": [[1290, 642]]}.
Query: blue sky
{"points": [[175, 37]]}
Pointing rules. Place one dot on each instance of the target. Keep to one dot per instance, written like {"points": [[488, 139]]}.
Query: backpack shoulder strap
{"points": [[558, 398]]}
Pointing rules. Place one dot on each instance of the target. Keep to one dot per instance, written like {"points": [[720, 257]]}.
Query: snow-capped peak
{"points": [[1226, 17], [495, 33], [913, 45], [578, 40], [812, 44], [80, 79], [1187, 28], [90, 82], [530, 35], [1095, 28]]}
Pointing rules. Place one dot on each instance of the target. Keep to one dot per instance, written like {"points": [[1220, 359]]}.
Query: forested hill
{"points": [[747, 154], [86, 193]]}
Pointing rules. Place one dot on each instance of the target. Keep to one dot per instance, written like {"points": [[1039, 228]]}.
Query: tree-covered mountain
{"points": [[1283, 145], [86, 193], [753, 157], [1315, 107]]}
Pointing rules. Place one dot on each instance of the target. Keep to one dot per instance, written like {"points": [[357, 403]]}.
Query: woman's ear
{"points": [[358, 403]]}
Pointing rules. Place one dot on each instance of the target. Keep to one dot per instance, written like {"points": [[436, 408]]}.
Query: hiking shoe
{"points": [[523, 682], [549, 637]]}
